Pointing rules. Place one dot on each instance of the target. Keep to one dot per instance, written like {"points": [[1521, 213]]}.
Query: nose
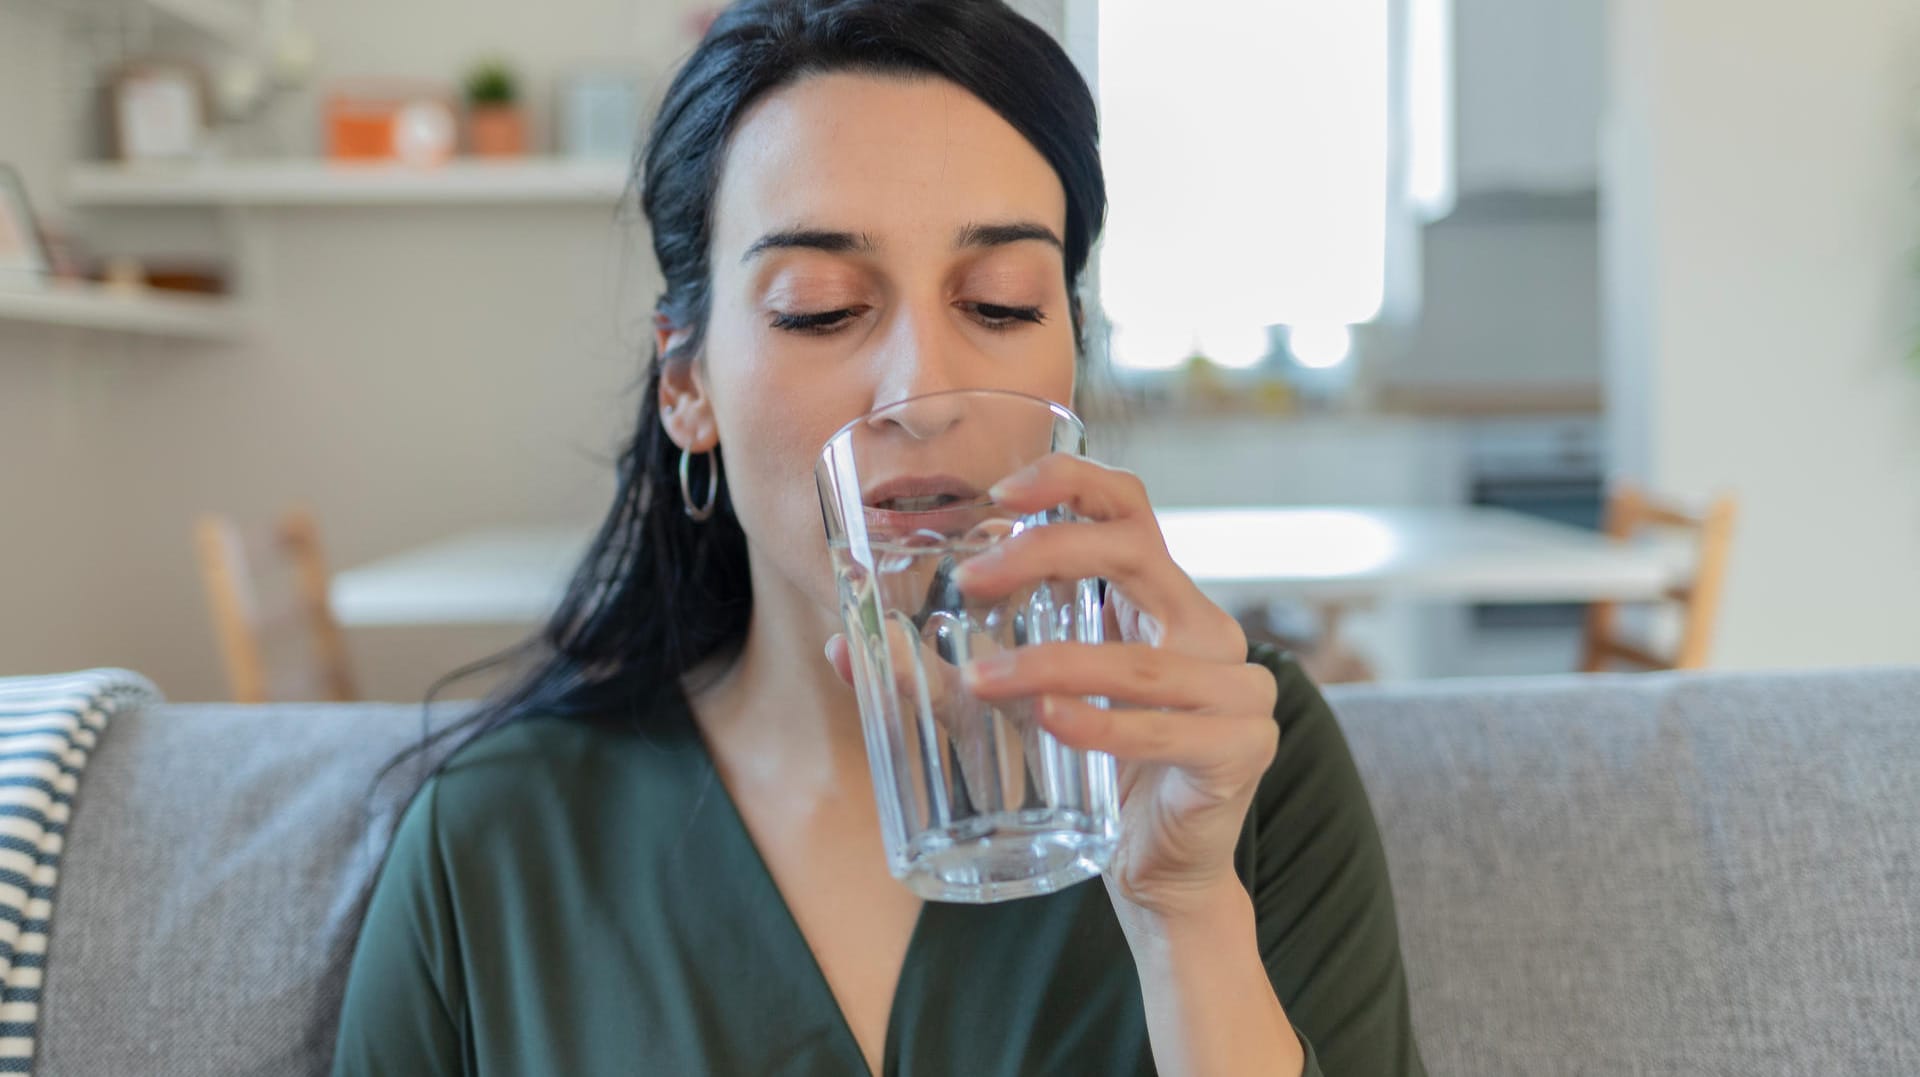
{"points": [[920, 359]]}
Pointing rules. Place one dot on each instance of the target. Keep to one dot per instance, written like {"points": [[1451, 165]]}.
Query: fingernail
{"points": [[991, 668], [829, 649], [1012, 484]]}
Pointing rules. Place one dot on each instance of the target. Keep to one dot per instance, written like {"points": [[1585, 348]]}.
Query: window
{"points": [[1265, 160]]}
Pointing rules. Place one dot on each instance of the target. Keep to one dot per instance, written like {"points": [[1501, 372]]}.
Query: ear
{"points": [[686, 407]]}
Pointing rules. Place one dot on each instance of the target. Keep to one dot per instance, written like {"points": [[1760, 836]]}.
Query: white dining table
{"points": [[1343, 554]]}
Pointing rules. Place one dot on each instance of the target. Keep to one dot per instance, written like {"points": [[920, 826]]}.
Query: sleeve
{"points": [[398, 1017], [1312, 860]]}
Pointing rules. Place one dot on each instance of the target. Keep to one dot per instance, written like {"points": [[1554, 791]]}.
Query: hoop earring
{"points": [[699, 513]]}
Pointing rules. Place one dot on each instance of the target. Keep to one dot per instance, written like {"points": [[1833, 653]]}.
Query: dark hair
{"points": [[658, 595]]}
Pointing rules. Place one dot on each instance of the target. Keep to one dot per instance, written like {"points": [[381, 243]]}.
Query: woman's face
{"points": [[875, 238]]}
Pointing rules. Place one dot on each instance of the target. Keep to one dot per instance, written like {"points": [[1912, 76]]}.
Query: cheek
{"points": [[774, 417], [1045, 367], [776, 404]]}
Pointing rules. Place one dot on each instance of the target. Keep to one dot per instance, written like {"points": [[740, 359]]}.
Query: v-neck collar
{"points": [[733, 828]]}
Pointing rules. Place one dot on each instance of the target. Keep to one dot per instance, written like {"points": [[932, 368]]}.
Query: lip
{"points": [[951, 519], [962, 491]]}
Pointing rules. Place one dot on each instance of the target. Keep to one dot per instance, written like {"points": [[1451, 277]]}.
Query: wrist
{"points": [[1220, 913], [1211, 1007]]}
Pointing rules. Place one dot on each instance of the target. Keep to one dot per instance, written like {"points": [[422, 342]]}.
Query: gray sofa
{"points": [[1695, 875]]}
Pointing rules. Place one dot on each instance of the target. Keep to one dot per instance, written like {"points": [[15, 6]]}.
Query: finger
{"points": [[840, 657], [1132, 555], [1139, 674], [1225, 749], [1088, 489], [1129, 554], [1123, 551]]}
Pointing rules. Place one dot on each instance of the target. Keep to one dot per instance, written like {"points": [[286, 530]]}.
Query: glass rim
{"points": [[1059, 410]]}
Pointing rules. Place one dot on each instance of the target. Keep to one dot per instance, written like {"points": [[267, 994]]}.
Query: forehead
{"points": [[904, 160]]}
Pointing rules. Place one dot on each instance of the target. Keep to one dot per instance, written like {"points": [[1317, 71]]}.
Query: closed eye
{"points": [[994, 316], [823, 323], [815, 324]]}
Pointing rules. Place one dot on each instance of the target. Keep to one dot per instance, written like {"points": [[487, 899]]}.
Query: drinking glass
{"points": [[978, 802]]}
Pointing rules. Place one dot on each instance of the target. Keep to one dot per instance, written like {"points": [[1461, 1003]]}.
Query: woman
{"points": [[660, 853]]}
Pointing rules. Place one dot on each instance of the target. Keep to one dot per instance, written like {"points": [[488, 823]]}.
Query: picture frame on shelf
{"points": [[23, 255], [600, 114], [157, 110]]}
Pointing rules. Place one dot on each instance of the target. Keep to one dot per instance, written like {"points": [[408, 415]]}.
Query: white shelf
{"points": [[90, 306], [325, 183]]}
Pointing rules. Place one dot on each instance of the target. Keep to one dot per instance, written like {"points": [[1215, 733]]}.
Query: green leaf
{"points": [[492, 82]]}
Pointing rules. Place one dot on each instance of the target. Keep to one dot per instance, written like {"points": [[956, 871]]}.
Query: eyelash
{"points": [[997, 317]]}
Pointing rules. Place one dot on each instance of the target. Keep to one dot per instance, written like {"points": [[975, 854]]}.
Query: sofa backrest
{"points": [[1666, 874], [209, 891]]}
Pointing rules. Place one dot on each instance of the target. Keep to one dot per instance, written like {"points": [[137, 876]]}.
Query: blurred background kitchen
{"points": [[1453, 337]]}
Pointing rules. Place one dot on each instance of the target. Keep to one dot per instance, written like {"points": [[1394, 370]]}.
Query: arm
{"points": [[1210, 1007], [397, 1018], [1314, 925]]}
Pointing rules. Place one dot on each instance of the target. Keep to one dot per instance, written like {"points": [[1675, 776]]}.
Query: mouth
{"points": [[923, 493]]}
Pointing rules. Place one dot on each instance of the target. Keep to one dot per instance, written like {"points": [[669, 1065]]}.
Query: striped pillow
{"points": [[48, 728]]}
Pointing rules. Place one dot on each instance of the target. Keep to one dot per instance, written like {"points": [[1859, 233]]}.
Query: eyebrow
{"points": [[972, 235], [996, 235], [812, 239]]}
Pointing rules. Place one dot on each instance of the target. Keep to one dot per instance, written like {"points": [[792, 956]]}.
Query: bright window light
{"points": [[1320, 347], [1155, 343], [1246, 155], [1234, 346], [1430, 158]]}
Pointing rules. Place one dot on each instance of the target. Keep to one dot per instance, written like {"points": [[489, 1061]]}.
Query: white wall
{"points": [[419, 371], [1531, 79], [32, 135], [1507, 302], [1761, 210], [1511, 284]]}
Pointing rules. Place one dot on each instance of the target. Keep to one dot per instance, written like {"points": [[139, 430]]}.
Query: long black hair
{"points": [[659, 595]]}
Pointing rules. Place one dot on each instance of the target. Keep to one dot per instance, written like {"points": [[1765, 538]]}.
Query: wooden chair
{"points": [[1323, 655], [246, 622], [1631, 513]]}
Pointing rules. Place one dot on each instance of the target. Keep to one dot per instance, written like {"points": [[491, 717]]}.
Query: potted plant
{"points": [[496, 124]]}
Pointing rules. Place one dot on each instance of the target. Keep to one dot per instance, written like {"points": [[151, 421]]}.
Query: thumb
{"points": [[841, 657]]}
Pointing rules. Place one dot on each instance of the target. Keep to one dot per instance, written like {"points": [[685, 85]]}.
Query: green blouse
{"points": [[575, 899]]}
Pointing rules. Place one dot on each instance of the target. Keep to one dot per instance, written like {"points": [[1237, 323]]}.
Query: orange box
{"points": [[390, 121]]}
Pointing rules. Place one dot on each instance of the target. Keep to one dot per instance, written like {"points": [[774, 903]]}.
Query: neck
{"points": [[779, 717]]}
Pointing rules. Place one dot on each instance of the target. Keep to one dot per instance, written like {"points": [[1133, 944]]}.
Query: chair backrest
{"points": [[1630, 514], [247, 617]]}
